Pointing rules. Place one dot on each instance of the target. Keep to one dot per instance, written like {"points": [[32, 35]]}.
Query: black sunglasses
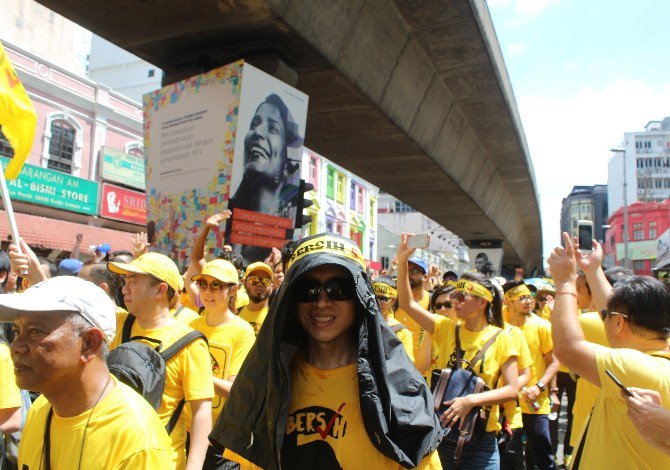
{"points": [[337, 289], [604, 313], [438, 305]]}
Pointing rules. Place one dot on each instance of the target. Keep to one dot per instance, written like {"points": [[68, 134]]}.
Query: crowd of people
{"points": [[309, 360]]}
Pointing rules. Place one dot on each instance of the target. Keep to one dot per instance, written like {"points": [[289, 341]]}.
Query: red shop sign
{"points": [[123, 204]]}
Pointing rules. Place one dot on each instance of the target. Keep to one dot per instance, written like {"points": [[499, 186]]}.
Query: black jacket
{"points": [[396, 404]]}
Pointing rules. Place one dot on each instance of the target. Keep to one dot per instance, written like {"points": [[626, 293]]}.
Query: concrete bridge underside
{"points": [[412, 95]]}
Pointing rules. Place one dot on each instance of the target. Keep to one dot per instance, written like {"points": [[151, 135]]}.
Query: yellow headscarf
{"points": [[474, 288]]}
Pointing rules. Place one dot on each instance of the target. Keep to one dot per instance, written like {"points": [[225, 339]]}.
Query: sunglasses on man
{"points": [[214, 286], [256, 280], [337, 289], [605, 312]]}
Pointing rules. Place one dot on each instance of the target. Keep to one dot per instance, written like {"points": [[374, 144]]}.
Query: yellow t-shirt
{"points": [[587, 393], [471, 342], [123, 432], [242, 298], [10, 395], [185, 300], [184, 314], [511, 410], [417, 331], [229, 345], [611, 441], [545, 313], [404, 335], [325, 428], [254, 318], [537, 332], [188, 376]]}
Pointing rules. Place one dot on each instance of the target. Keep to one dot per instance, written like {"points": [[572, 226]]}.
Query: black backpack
{"points": [[142, 367]]}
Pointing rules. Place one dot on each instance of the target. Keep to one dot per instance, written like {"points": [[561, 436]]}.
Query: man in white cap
{"points": [[63, 330]]}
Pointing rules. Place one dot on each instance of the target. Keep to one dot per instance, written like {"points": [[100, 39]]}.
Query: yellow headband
{"points": [[328, 244], [384, 290], [474, 288], [515, 293]]}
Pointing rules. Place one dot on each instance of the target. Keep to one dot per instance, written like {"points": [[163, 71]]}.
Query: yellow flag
{"points": [[17, 115]]}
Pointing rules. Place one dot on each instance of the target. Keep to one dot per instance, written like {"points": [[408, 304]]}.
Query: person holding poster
{"points": [[269, 181]]}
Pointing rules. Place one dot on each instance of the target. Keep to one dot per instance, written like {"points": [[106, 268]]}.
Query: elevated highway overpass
{"points": [[412, 95]]}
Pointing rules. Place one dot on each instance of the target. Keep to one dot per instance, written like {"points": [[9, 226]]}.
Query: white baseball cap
{"points": [[64, 294]]}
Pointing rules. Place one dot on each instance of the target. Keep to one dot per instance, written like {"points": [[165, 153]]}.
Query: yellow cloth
{"points": [[188, 376], [124, 432], [612, 442], [17, 116], [254, 318], [517, 292], [471, 342], [537, 332], [512, 412], [384, 290], [185, 300], [242, 298], [185, 315], [404, 335], [474, 288], [417, 331], [587, 393], [545, 313], [324, 416], [10, 395], [229, 345]]}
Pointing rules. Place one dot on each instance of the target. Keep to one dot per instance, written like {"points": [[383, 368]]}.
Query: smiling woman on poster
{"points": [[270, 179]]}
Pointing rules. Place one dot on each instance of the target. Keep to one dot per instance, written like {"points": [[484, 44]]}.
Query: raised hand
{"points": [[214, 220], [140, 243]]}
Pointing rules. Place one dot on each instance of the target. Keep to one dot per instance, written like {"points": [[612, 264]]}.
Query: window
{"points": [[330, 184], [652, 233], [151, 73], [402, 207], [330, 225], [638, 234], [638, 225], [372, 213], [352, 197], [639, 265], [6, 150], [652, 223], [313, 172], [340, 187], [61, 147]]}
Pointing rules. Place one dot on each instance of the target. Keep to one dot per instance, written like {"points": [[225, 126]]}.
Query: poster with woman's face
{"points": [[268, 145]]}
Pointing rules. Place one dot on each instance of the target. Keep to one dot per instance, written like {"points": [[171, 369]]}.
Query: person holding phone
{"points": [[652, 421], [636, 318], [478, 306]]}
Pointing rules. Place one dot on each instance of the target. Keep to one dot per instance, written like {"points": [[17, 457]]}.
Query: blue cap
{"points": [[104, 248], [69, 267], [420, 263]]}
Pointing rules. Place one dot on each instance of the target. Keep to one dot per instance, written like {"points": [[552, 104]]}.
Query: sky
{"points": [[583, 73]]}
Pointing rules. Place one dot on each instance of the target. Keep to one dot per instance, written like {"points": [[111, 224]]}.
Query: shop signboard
{"points": [[52, 188], [123, 168], [637, 251], [123, 204]]}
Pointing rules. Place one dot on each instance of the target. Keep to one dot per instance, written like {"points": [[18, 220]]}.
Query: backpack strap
{"points": [[482, 351], [127, 327], [398, 327], [168, 354], [459, 358], [179, 310]]}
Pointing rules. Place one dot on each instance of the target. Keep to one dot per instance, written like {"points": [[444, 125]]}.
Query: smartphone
{"points": [[585, 231], [419, 241], [619, 384]]}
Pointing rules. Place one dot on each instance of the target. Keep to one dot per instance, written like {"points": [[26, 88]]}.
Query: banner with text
{"points": [[122, 168], [53, 189]]}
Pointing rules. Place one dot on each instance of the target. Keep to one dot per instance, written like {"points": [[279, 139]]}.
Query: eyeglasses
{"points": [[338, 289], [541, 298], [214, 286], [441, 305], [525, 298], [604, 313], [384, 299], [255, 280], [415, 271]]}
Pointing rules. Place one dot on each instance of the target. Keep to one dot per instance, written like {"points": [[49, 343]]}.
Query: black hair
{"points": [[287, 251], [234, 258], [99, 273], [646, 301], [438, 291], [53, 269], [289, 127], [617, 274], [449, 274], [493, 309], [5, 266]]}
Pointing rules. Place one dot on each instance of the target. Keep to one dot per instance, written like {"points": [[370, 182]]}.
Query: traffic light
{"points": [[303, 203]]}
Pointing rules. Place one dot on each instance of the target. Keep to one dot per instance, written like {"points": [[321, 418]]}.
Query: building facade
{"points": [[85, 171], [342, 203], [647, 221], [585, 203], [647, 160]]}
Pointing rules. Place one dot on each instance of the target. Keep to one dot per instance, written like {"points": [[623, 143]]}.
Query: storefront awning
{"points": [[47, 233]]}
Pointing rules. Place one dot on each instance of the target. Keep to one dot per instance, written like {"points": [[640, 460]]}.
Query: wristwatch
{"points": [[541, 386]]}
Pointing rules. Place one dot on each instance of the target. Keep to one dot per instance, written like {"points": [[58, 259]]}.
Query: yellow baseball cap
{"points": [[154, 264], [219, 269], [258, 266]]}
